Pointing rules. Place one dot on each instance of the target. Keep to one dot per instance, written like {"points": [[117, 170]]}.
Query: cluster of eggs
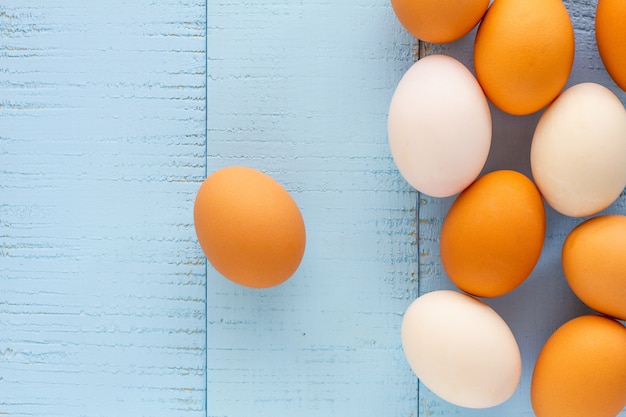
{"points": [[439, 129]]}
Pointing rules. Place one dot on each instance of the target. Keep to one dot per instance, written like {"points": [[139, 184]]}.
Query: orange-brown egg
{"points": [[594, 264], [581, 370], [611, 38], [523, 53], [249, 227], [493, 235], [439, 21]]}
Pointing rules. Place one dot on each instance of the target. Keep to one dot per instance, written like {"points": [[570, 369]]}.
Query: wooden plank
{"points": [[102, 143], [544, 301], [300, 90], [102, 148]]}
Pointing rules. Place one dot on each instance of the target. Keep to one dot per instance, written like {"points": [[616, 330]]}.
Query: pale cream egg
{"points": [[439, 126], [578, 152], [461, 349]]}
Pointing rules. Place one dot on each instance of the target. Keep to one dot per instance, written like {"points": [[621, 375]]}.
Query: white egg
{"points": [[578, 153], [461, 349], [439, 126]]}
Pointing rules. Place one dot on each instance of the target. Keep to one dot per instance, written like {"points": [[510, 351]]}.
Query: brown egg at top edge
{"points": [[439, 21]]}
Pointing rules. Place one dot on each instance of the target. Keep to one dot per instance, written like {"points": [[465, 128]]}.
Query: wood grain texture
{"points": [[544, 301], [111, 115], [300, 90], [102, 144]]}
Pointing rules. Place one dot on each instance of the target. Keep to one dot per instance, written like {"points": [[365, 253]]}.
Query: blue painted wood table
{"points": [[113, 113]]}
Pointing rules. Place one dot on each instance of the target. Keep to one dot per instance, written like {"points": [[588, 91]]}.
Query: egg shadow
{"points": [[511, 141]]}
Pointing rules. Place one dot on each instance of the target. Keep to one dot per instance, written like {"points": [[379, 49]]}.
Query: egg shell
{"points": [[493, 234], [581, 370], [594, 264], [524, 53], [461, 349], [578, 151], [611, 38], [439, 21], [439, 126], [249, 227]]}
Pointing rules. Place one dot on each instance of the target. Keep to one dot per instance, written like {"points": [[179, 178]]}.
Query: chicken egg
{"points": [[581, 370], [439, 126], [461, 349], [578, 151], [594, 264], [493, 234], [249, 227], [611, 38], [524, 53], [439, 21]]}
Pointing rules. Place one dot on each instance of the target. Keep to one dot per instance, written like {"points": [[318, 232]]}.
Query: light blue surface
{"points": [[111, 115], [102, 141], [300, 90]]}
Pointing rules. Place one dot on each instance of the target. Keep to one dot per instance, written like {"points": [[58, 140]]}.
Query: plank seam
{"points": [[206, 172], [417, 245], [420, 46]]}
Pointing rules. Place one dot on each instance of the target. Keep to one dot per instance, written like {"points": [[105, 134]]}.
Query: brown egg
{"points": [[581, 370], [249, 227], [524, 53], [493, 235], [611, 37], [439, 21], [594, 264]]}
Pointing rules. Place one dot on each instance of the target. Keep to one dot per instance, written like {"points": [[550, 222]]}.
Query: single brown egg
{"points": [[581, 370], [493, 234], [249, 227], [594, 264]]}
